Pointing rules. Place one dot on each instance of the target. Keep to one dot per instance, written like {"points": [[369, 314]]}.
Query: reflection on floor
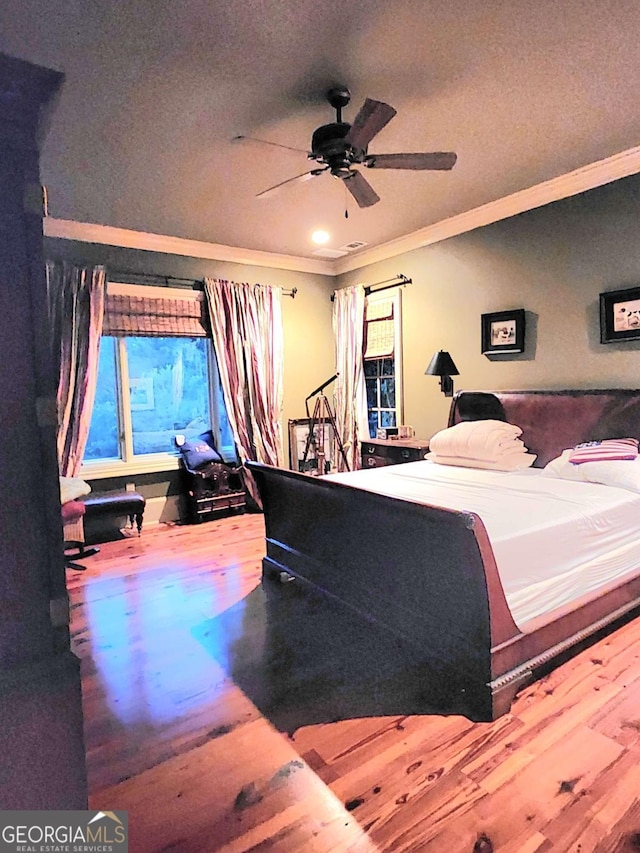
{"points": [[303, 659]]}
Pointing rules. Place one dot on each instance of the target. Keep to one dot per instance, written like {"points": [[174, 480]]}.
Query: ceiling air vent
{"points": [[351, 247]]}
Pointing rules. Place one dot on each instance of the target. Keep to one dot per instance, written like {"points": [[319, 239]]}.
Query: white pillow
{"points": [[623, 474], [72, 488], [513, 462], [562, 468]]}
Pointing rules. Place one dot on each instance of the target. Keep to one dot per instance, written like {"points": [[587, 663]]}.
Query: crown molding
{"points": [[585, 178], [579, 180], [89, 232]]}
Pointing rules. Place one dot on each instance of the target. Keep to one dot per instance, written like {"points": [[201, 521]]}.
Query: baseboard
{"points": [[161, 510]]}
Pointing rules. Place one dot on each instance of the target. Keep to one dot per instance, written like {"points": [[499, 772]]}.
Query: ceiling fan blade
{"points": [[266, 142], [436, 160], [361, 189], [300, 178], [373, 116]]}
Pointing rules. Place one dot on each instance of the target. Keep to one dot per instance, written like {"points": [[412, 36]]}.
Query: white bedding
{"points": [[553, 540]]}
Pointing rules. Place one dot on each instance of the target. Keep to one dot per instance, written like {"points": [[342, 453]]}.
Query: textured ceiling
{"points": [[155, 90]]}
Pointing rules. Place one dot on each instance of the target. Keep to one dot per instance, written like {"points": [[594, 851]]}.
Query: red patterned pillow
{"points": [[607, 450]]}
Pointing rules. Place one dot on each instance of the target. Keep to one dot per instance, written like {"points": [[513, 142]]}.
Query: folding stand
{"points": [[322, 417]]}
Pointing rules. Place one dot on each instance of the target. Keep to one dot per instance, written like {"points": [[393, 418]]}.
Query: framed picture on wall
{"points": [[620, 315], [503, 332]]}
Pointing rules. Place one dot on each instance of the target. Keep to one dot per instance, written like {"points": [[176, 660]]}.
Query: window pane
{"points": [[373, 424], [223, 435], [102, 442], [388, 393], [387, 367], [372, 393], [371, 367], [169, 387], [388, 419]]}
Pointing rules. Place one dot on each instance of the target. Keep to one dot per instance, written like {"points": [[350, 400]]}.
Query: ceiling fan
{"points": [[340, 146]]}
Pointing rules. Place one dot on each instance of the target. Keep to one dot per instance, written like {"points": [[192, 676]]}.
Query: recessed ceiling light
{"points": [[320, 237]]}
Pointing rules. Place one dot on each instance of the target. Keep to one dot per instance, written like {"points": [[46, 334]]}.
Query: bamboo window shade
{"points": [[145, 316], [379, 329]]}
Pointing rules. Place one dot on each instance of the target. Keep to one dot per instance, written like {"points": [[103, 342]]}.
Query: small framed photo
{"points": [[620, 315], [503, 331]]}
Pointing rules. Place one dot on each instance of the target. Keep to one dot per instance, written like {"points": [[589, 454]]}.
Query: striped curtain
{"points": [[350, 389], [76, 305], [246, 326]]}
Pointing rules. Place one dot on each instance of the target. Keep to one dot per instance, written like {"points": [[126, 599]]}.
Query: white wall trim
{"points": [[150, 463], [89, 232], [579, 180]]}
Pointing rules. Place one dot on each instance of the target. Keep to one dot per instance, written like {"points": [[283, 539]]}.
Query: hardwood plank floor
{"points": [[214, 728]]}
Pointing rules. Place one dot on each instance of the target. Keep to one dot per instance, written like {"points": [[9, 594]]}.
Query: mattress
{"points": [[553, 540]]}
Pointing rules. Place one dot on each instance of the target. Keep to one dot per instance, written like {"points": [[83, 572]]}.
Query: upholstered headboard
{"points": [[551, 421]]}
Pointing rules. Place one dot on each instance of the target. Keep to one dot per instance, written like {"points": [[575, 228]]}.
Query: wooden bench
{"points": [[129, 504]]}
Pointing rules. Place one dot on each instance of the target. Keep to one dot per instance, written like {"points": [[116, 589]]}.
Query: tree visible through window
{"points": [[149, 389], [103, 441], [169, 390]]}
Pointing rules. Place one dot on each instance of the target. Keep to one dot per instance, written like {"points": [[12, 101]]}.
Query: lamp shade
{"points": [[442, 365]]}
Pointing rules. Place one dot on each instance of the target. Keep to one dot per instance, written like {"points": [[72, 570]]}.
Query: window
{"points": [[103, 441], [382, 361], [149, 388], [381, 393]]}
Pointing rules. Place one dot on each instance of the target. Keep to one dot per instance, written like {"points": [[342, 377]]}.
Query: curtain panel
{"points": [[246, 326], [144, 316], [350, 389], [76, 306]]}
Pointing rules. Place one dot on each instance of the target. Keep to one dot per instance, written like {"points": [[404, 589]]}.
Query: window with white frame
{"points": [[383, 360], [154, 385]]}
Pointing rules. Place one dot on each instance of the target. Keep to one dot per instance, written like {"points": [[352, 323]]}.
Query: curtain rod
{"points": [[184, 283], [403, 280], [125, 276]]}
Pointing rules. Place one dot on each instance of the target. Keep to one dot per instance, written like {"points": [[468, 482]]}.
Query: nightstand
{"points": [[377, 452]]}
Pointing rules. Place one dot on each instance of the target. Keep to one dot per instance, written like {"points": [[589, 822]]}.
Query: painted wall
{"points": [[553, 262]]}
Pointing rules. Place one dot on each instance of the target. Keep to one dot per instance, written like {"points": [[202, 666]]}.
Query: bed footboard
{"points": [[418, 572]]}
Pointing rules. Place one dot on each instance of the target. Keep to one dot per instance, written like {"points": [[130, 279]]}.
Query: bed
{"points": [[427, 573]]}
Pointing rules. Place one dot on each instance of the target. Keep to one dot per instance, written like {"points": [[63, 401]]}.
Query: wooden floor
{"points": [[171, 628]]}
